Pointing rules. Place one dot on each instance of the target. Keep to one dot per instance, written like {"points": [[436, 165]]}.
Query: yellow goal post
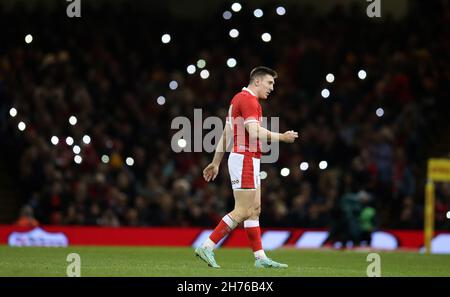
{"points": [[438, 171]]}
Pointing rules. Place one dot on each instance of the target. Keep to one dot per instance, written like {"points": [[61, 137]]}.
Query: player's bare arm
{"points": [[211, 171], [256, 131]]}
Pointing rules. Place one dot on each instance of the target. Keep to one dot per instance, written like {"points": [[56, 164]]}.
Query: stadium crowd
{"points": [[109, 69]]}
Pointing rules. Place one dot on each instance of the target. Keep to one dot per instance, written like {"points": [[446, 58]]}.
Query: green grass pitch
{"points": [[169, 261]]}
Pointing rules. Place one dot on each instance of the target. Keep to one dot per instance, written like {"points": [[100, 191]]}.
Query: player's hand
{"points": [[210, 172], [290, 136]]}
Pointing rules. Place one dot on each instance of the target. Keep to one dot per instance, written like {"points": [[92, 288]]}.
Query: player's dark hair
{"points": [[261, 71]]}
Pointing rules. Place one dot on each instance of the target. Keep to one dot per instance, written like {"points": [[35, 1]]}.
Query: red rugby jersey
{"points": [[244, 108]]}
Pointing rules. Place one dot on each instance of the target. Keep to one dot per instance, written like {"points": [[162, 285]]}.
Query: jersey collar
{"points": [[248, 90]]}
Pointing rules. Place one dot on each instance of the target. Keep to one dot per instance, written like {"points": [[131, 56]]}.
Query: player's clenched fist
{"points": [[289, 136]]}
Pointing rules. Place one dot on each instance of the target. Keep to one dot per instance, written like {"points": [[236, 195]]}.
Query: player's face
{"points": [[265, 86]]}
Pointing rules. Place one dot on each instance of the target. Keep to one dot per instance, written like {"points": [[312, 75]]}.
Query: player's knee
{"points": [[247, 213], [250, 213], [257, 211], [240, 214]]}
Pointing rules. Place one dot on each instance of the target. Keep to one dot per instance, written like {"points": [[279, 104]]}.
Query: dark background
{"points": [[108, 68]]}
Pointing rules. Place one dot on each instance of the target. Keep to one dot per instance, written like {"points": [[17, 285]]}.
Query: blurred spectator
{"points": [[354, 220], [26, 218]]}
